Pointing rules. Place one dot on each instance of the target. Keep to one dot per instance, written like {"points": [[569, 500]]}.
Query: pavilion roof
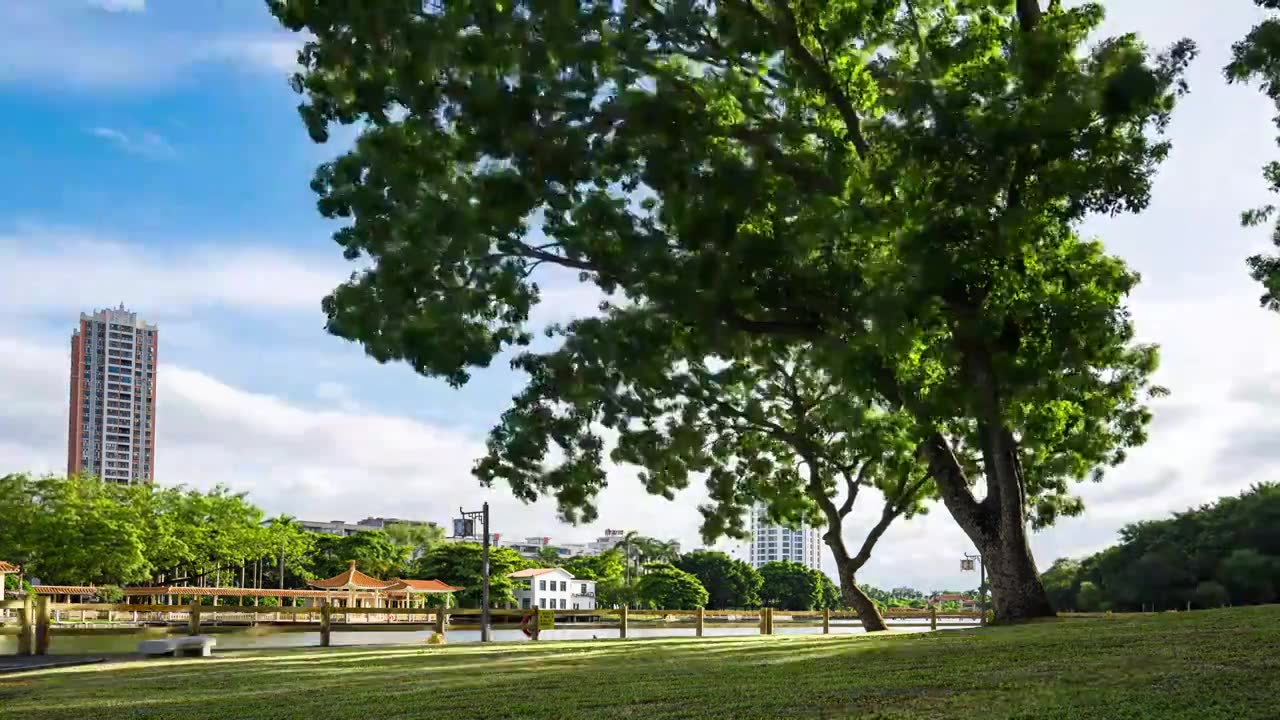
{"points": [[222, 592], [533, 572], [420, 586], [350, 579], [64, 589], [7, 568]]}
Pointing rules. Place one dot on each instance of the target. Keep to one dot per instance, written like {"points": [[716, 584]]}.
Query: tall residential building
{"points": [[111, 424], [770, 542]]}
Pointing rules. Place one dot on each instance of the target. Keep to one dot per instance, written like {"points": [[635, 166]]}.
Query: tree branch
{"points": [[836, 96], [1028, 14], [864, 553]]}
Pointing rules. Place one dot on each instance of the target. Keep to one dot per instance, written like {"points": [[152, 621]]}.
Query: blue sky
{"points": [[152, 155]]}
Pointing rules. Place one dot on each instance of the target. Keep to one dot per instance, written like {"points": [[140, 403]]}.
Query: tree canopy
{"points": [[1233, 543], [461, 564], [790, 586], [896, 183], [666, 587], [730, 583], [1256, 58]]}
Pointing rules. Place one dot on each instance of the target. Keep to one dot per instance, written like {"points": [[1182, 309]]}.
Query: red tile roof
{"points": [[64, 589], [531, 572], [945, 597], [225, 592], [420, 586], [350, 578], [7, 568]]}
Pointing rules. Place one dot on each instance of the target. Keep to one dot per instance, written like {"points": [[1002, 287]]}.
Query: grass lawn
{"points": [[1214, 664]]}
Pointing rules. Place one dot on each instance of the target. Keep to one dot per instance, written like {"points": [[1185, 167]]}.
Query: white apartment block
{"points": [[111, 431], [771, 542], [553, 589]]}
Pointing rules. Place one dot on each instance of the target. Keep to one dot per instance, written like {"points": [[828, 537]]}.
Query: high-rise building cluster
{"points": [[111, 425], [772, 542]]}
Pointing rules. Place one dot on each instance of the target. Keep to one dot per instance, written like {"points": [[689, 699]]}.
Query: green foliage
{"points": [[461, 564], [665, 587], [1256, 58], [1250, 576], [419, 538], [78, 531], [1210, 594], [109, 594], [374, 552], [829, 597], [1161, 564], [549, 556], [1060, 583], [730, 584], [606, 565], [790, 586], [895, 185], [1089, 597]]}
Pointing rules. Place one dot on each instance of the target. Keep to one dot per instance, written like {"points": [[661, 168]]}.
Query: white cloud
{"points": [[37, 262], [120, 6], [145, 143], [56, 43], [325, 464]]}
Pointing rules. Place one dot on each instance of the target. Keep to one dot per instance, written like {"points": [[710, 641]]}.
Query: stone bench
{"points": [[193, 646]]}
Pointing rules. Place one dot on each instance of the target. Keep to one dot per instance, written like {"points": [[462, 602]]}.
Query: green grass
{"points": [[1216, 664]]}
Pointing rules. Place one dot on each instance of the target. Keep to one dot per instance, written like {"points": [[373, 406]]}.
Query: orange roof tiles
{"points": [[531, 572], [351, 578], [7, 568], [64, 589], [422, 586], [223, 592]]}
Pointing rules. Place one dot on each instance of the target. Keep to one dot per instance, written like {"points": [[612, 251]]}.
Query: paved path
{"points": [[21, 663]]}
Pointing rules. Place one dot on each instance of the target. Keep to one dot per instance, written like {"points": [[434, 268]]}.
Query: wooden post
{"points": [[826, 621], [933, 617], [326, 612], [622, 623], [702, 621], [764, 621], [441, 613], [42, 626], [193, 620], [771, 620], [27, 627]]}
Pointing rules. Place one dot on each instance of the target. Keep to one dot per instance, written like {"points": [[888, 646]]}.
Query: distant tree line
{"points": [[1224, 553]]}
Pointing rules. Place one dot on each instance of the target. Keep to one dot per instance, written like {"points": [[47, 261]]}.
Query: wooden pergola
{"points": [[413, 593], [353, 581]]}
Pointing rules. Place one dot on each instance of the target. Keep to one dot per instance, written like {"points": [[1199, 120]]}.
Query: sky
{"points": [[152, 156]]}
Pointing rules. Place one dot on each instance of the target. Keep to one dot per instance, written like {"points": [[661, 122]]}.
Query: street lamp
{"points": [[466, 527], [966, 565]]}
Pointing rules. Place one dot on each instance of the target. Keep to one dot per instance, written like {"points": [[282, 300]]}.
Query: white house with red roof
{"points": [[553, 588]]}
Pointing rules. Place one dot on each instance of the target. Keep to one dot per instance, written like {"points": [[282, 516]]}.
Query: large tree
{"points": [[762, 425], [462, 564], [897, 183], [1257, 58], [665, 587], [790, 586], [731, 584]]}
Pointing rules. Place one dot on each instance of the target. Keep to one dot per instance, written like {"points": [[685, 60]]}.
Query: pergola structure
{"points": [[352, 581], [413, 593], [7, 568]]}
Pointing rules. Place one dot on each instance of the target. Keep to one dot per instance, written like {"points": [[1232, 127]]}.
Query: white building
{"points": [[341, 527], [770, 542], [553, 588]]}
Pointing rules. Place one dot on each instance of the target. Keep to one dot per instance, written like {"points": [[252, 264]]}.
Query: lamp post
{"points": [[966, 564], [468, 526]]}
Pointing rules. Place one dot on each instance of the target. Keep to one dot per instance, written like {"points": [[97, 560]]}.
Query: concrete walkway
{"points": [[23, 663]]}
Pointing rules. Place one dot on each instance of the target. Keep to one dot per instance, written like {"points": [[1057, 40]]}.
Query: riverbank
{"points": [[1211, 664]]}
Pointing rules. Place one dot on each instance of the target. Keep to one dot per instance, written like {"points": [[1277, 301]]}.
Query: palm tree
{"points": [[628, 544]]}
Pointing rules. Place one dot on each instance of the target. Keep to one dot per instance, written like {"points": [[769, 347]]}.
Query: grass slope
{"points": [[1216, 664]]}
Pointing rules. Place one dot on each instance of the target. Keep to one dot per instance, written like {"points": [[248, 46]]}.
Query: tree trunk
{"points": [[997, 526], [868, 613]]}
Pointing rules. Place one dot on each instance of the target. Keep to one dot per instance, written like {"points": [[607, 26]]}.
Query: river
{"points": [[263, 637]]}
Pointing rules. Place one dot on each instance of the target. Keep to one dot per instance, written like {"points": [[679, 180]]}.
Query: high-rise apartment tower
{"points": [[111, 430], [771, 542]]}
